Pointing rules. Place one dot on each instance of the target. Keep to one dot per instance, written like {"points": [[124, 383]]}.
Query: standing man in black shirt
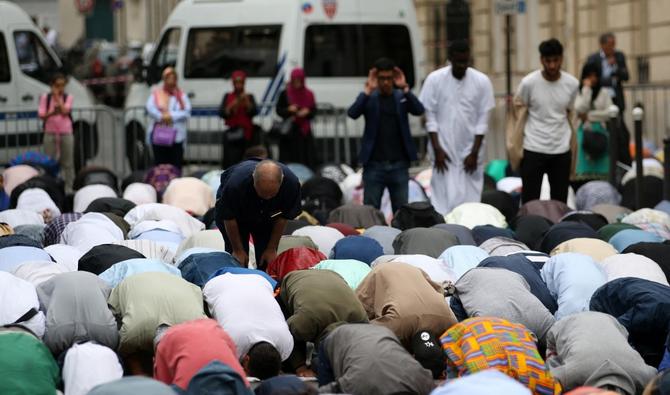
{"points": [[387, 147], [256, 198]]}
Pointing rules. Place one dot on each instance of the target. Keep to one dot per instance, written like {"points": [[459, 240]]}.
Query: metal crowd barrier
{"points": [[655, 99], [118, 139], [95, 136], [206, 133]]}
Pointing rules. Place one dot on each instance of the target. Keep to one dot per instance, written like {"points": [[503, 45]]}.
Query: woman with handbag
{"points": [[169, 110], [592, 105], [298, 104], [238, 108]]}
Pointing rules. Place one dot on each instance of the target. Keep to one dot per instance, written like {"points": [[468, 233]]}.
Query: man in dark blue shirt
{"points": [[256, 198], [387, 148]]}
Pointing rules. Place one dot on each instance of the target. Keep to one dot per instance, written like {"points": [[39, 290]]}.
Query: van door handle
{"points": [[3, 99], [28, 97], [191, 95]]}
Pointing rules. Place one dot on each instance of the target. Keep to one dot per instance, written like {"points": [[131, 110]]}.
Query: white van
{"points": [[26, 66], [335, 41]]}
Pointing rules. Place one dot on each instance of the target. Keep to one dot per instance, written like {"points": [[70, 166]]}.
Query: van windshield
{"points": [[218, 51], [343, 50], [34, 59]]}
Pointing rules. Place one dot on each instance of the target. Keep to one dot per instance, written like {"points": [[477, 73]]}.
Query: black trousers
{"points": [[261, 233], [296, 148], [557, 167], [233, 152], [173, 155]]}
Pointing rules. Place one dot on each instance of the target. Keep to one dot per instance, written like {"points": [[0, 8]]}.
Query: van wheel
{"points": [[137, 150], [85, 143]]}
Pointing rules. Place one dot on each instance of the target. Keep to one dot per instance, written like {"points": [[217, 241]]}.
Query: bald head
{"points": [[268, 177]]}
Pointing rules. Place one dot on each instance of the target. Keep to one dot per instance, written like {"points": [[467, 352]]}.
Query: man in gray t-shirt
{"points": [[549, 94]]}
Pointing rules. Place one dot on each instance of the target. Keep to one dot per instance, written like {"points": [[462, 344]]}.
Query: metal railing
{"points": [[655, 101], [118, 139], [94, 130]]}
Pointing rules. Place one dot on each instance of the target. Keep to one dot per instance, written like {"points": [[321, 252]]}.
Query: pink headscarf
{"points": [[162, 96], [302, 98]]}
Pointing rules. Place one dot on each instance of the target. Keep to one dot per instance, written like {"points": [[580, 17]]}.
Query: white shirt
{"points": [[244, 305], [323, 236], [65, 255], [37, 272], [633, 265], [89, 194], [90, 230], [547, 129], [431, 266], [140, 193], [17, 217], [37, 200], [88, 365], [157, 212], [596, 110], [458, 110], [17, 296]]}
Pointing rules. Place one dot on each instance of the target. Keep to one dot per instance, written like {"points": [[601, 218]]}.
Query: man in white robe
{"points": [[458, 100]]}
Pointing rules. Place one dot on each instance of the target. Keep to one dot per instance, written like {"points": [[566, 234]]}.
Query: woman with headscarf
{"points": [[169, 110], [238, 108], [297, 102], [592, 106]]}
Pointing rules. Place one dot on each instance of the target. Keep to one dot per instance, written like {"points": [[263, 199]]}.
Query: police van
{"points": [[335, 41], [27, 64]]}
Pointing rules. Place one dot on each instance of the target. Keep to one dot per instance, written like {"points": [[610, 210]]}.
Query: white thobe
{"points": [[458, 110]]}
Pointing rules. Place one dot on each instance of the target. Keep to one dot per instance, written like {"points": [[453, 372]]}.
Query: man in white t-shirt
{"points": [[549, 94], [244, 305]]}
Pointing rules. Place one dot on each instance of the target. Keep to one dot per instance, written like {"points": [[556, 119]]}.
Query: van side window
{"points": [[334, 50], [34, 59], [5, 73], [166, 54], [216, 52]]}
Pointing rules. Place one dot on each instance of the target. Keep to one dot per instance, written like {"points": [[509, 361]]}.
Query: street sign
{"points": [[510, 7]]}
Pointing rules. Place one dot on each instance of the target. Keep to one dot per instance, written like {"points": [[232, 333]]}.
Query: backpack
{"points": [[416, 215], [320, 196]]}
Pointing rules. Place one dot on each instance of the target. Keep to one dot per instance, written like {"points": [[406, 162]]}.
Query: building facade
{"points": [[641, 28], [123, 21]]}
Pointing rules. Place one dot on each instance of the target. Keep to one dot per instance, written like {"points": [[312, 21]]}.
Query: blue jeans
{"points": [[380, 175]]}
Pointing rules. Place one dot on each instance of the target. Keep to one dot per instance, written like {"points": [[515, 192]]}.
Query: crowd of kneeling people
{"points": [[102, 294]]}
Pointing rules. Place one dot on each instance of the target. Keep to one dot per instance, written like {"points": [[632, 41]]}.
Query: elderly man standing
{"points": [[613, 73], [256, 198], [458, 100]]}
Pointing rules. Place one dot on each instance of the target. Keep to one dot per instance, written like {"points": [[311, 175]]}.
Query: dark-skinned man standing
{"points": [[458, 100], [256, 198], [549, 94], [387, 147]]}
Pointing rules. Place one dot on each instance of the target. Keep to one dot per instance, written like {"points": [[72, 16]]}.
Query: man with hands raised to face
{"points": [[458, 101], [387, 148]]}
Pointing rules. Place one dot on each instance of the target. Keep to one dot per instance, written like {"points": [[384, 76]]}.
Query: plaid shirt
{"points": [[54, 229]]}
